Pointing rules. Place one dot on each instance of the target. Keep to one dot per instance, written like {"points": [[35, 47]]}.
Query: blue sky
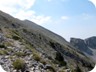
{"points": [[57, 8], [68, 18]]}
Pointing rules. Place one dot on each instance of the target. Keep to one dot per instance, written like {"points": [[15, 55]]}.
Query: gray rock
{"points": [[81, 45], [91, 42]]}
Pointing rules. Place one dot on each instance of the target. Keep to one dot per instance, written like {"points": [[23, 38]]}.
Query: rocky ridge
{"points": [[87, 46]]}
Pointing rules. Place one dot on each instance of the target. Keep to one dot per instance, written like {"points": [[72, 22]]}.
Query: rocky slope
{"points": [[87, 46], [28, 47]]}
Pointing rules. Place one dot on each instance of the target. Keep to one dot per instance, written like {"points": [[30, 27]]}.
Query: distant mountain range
{"points": [[28, 47], [87, 46]]}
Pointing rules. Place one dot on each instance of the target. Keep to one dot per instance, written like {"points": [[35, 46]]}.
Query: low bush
{"points": [[18, 64], [19, 54], [36, 56], [60, 59], [15, 37], [3, 52], [2, 46], [77, 69]]}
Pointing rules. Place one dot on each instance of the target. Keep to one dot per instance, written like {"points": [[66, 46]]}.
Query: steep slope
{"points": [[29, 47], [91, 42], [81, 45], [87, 46]]}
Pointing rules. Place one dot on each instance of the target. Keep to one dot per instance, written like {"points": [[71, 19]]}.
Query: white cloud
{"points": [[25, 14], [14, 6], [93, 1], [22, 9], [31, 15], [24, 4], [65, 17], [41, 19]]}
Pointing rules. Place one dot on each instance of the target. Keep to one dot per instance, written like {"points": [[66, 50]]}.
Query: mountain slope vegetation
{"points": [[28, 47]]}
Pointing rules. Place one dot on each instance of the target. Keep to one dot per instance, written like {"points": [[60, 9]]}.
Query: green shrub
{"points": [[2, 46], [62, 71], [9, 50], [77, 69], [63, 63], [25, 30], [18, 64], [11, 57], [3, 52], [60, 59], [50, 69], [15, 32], [7, 43], [15, 37], [20, 54], [36, 56]]}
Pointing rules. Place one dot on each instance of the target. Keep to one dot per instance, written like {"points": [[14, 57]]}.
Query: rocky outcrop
{"points": [[87, 46], [81, 45], [19, 51], [91, 42]]}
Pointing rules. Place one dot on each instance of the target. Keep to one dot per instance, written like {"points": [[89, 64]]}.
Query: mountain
{"points": [[28, 47], [87, 46], [91, 42]]}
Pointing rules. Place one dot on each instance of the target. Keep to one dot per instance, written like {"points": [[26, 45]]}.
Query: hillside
{"points": [[28, 47]]}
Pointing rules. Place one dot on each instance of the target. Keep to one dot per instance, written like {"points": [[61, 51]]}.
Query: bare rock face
{"points": [[81, 45], [87, 46], [91, 42]]}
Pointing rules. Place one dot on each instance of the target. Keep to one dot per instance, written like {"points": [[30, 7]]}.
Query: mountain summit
{"points": [[28, 47]]}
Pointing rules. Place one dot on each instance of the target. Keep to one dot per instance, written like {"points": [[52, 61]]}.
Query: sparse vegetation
{"points": [[19, 54], [2, 46], [36, 56], [61, 71], [9, 50], [18, 64], [11, 57], [36, 48], [15, 32], [43, 61], [50, 69], [77, 69], [15, 37], [60, 59], [24, 30], [3, 52], [8, 43]]}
